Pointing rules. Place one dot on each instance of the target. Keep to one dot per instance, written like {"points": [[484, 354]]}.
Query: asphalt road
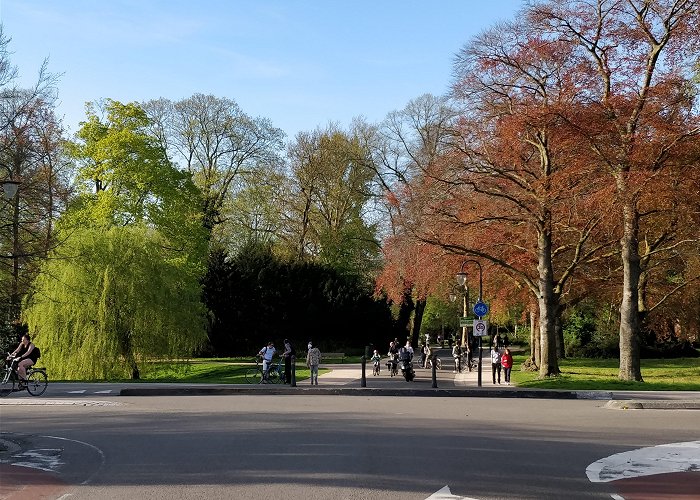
{"points": [[328, 447]]}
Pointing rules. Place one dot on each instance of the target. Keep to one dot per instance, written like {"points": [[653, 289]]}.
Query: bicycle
{"points": [[392, 365], [377, 367], [36, 383], [275, 373], [429, 363], [466, 364]]}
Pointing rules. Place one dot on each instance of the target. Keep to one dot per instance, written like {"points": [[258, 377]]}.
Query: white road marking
{"points": [[662, 459], [63, 497], [101, 453], [57, 402], [46, 459], [445, 494], [103, 392], [77, 392]]}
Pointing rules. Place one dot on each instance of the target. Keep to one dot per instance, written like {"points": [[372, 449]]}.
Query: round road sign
{"points": [[481, 309]]}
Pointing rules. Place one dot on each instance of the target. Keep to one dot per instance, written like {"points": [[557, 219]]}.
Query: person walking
{"points": [[495, 364], [507, 364], [313, 359]]}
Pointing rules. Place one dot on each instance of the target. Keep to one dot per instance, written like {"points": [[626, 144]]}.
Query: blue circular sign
{"points": [[481, 309]]}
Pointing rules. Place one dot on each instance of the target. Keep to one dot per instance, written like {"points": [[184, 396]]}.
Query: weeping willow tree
{"points": [[110, 299], [125, 284]]}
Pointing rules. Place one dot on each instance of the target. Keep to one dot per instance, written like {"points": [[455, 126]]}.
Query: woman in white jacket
{"points": [[495, 364]]}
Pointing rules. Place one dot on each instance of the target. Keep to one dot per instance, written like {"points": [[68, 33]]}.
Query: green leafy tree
{"points": [[115, 299], [125, 284], [219, 145], [328, 198], [256, 296]]}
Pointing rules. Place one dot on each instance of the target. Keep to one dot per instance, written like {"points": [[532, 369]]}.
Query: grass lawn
{"points": [[210, 371], [680, 374]]}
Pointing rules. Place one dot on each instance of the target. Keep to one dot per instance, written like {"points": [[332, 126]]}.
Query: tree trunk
{"points": [[417, 321], [16, 251], [630, 365], [534, 340], [548, 305], [401, 325], [559, 332]]}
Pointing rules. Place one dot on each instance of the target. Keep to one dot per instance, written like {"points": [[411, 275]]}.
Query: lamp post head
{"points": [[461, 278], [9, 188]]}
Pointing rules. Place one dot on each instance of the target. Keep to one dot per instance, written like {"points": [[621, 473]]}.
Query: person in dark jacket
{"points": [[287, 355], [25, 356]]}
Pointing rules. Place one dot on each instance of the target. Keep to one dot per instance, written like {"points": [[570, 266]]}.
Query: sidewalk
{"points": [[345, 380]]}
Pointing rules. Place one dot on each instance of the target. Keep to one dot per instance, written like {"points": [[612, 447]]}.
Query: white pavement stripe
{"points": [[444, 493], [103, 392], [57, 402], [77, 392], [101, 453], [46, 459], [662, 459]]}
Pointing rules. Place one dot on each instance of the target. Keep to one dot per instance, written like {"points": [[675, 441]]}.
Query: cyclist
{"points": [[25, 356], [266, 354], [376, 359], [457, 355]]}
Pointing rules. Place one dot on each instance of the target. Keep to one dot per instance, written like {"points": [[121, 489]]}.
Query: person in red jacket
{"points": [[507, 364]]}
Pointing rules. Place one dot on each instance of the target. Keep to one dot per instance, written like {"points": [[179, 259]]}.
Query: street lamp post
{"points": [[462, 281], [464, 292]]}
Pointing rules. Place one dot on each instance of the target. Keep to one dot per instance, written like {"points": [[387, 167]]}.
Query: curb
{"points": [[652, 405], [348, 391]]}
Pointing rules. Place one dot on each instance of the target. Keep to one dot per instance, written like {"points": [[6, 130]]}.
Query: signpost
{"points": [[481, 309], [464, 321], [481, 328]]}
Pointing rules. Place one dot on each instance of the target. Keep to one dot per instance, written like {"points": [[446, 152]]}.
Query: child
{"points": [[376, 358]]}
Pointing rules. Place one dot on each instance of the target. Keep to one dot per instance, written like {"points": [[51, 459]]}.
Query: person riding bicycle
{"points": [[376, 359], [393, 354], [266, 354], [457, 355], [406, 352], [24, 356]]}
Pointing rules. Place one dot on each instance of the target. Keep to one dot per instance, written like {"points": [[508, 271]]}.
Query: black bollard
{"points": [[293, 382], [363, 380], [434, 363], [365, 357]]}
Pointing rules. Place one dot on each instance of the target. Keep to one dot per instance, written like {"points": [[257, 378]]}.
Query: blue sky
{"points": [[300, 63]]}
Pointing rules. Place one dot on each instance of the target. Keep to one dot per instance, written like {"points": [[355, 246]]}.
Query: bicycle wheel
{"points": [[276, 375], [37, 382], [253, 375], [7, 386]]}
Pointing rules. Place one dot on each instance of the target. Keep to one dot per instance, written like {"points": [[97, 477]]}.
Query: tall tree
{"points": [[218, 144], [328, 196], [510, 191], [125, 283], [125, 178], [31, 155], [636, 57], [404, 145]]}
